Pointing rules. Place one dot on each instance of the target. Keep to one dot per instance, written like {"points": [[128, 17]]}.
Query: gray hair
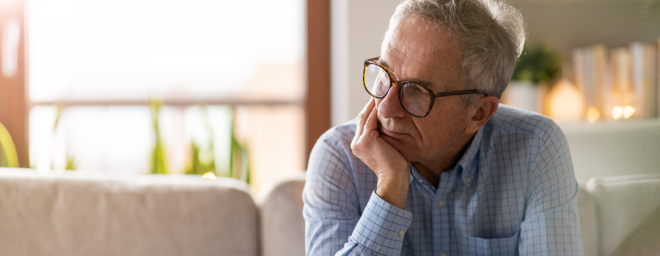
{"points": [[490, 34]]}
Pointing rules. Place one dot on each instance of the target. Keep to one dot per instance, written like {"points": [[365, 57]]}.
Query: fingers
{"points": [[372, 121], [362, 117]]}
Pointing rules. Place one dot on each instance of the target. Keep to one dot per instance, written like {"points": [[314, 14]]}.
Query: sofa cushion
{"points": [[625, 206], [645, 240], [588, 221], [282, 224], [95, 214]]}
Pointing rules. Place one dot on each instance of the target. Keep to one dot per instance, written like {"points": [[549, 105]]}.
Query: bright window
{"points": [[104, 59]]}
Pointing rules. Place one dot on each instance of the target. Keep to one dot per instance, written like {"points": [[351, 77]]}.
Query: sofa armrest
{"points": [[282, 224], [588, 221], [625, 205]]}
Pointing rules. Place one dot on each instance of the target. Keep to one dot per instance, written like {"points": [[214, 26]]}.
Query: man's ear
{"points": [[484, 108]]}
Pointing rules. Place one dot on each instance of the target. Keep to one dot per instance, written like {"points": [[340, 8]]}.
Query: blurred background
{"points": [[244, 88], [156, 86]]}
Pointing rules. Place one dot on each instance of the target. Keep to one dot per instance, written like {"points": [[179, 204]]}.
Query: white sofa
{"points": [[82, 213], [627, 215]]}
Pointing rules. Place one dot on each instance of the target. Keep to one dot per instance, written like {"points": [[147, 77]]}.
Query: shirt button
{"points": [[467, 180], [401, 232], [441, 203], [443, 254]]}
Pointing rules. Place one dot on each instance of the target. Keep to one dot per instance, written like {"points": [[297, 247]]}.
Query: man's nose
{"points": [[390, 107]]}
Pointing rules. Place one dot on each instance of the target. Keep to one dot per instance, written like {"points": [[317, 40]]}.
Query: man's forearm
{"points": [[394, 190]]}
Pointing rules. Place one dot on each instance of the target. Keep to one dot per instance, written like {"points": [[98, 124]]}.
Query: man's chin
{"points": [[396, 144]]}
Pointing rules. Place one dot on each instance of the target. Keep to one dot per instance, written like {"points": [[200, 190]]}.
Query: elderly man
{"points": [[433, 165]]}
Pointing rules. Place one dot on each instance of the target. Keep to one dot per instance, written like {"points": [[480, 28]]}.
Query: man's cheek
{"points": [[379, 127]]}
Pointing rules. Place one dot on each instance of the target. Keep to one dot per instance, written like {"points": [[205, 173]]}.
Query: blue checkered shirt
{"points": [[513, 192]]}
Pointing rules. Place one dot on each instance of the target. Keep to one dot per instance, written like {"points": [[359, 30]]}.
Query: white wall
{"points": [[614, 148], [568, 24], [358, 28]]}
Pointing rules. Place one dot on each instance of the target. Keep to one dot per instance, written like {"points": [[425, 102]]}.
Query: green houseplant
{"points": [[537, 67], [158, 164], [202, 159], [70, 161], [8, 155]]}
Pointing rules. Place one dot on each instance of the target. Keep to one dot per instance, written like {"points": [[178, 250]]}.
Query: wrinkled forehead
{"points": [[422, 50], [411, 25]]}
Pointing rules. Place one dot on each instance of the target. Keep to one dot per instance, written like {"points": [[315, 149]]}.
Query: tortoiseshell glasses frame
{"points": [[394, 81]]}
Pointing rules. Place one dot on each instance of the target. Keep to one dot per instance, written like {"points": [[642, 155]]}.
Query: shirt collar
{"points": [[416, 176], [467, 167]]}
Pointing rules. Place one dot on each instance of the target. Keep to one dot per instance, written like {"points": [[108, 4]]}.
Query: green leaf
{"points": [[158, 164], [9, 155], [537, 65], [70, 164]]}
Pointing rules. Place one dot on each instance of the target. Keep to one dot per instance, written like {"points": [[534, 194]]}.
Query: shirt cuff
{"points": [[382, 226]]}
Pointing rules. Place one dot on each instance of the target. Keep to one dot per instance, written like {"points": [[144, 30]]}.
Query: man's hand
{"points": [[392, 170]]}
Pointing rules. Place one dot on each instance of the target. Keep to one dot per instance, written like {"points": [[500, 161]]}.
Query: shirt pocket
{"points": [[493, 246]]}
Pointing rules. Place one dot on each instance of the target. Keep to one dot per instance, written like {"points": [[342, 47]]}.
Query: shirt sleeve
{"points": [[551, 225], [334, 223]]}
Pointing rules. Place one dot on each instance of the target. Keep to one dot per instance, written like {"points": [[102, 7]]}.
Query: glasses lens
{"points": [[376, 80], [416, 99]]}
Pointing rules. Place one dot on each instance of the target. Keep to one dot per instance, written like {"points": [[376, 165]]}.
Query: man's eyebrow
{"points": [[428, 83], [382, 62]]}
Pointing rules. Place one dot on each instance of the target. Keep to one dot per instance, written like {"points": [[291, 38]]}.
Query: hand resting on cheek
{"points": [[390, 167]]}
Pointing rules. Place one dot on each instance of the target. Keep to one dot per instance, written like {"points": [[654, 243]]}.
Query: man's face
{"points": [[418, 52]]}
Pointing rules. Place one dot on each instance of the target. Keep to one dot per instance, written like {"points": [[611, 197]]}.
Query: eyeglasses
{"points": [[415, 98]]}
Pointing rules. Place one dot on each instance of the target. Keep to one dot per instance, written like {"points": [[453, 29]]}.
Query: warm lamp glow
{"points": [[208, 176], [628, 111], [564, 102], [593, 114], [617, 112]]}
